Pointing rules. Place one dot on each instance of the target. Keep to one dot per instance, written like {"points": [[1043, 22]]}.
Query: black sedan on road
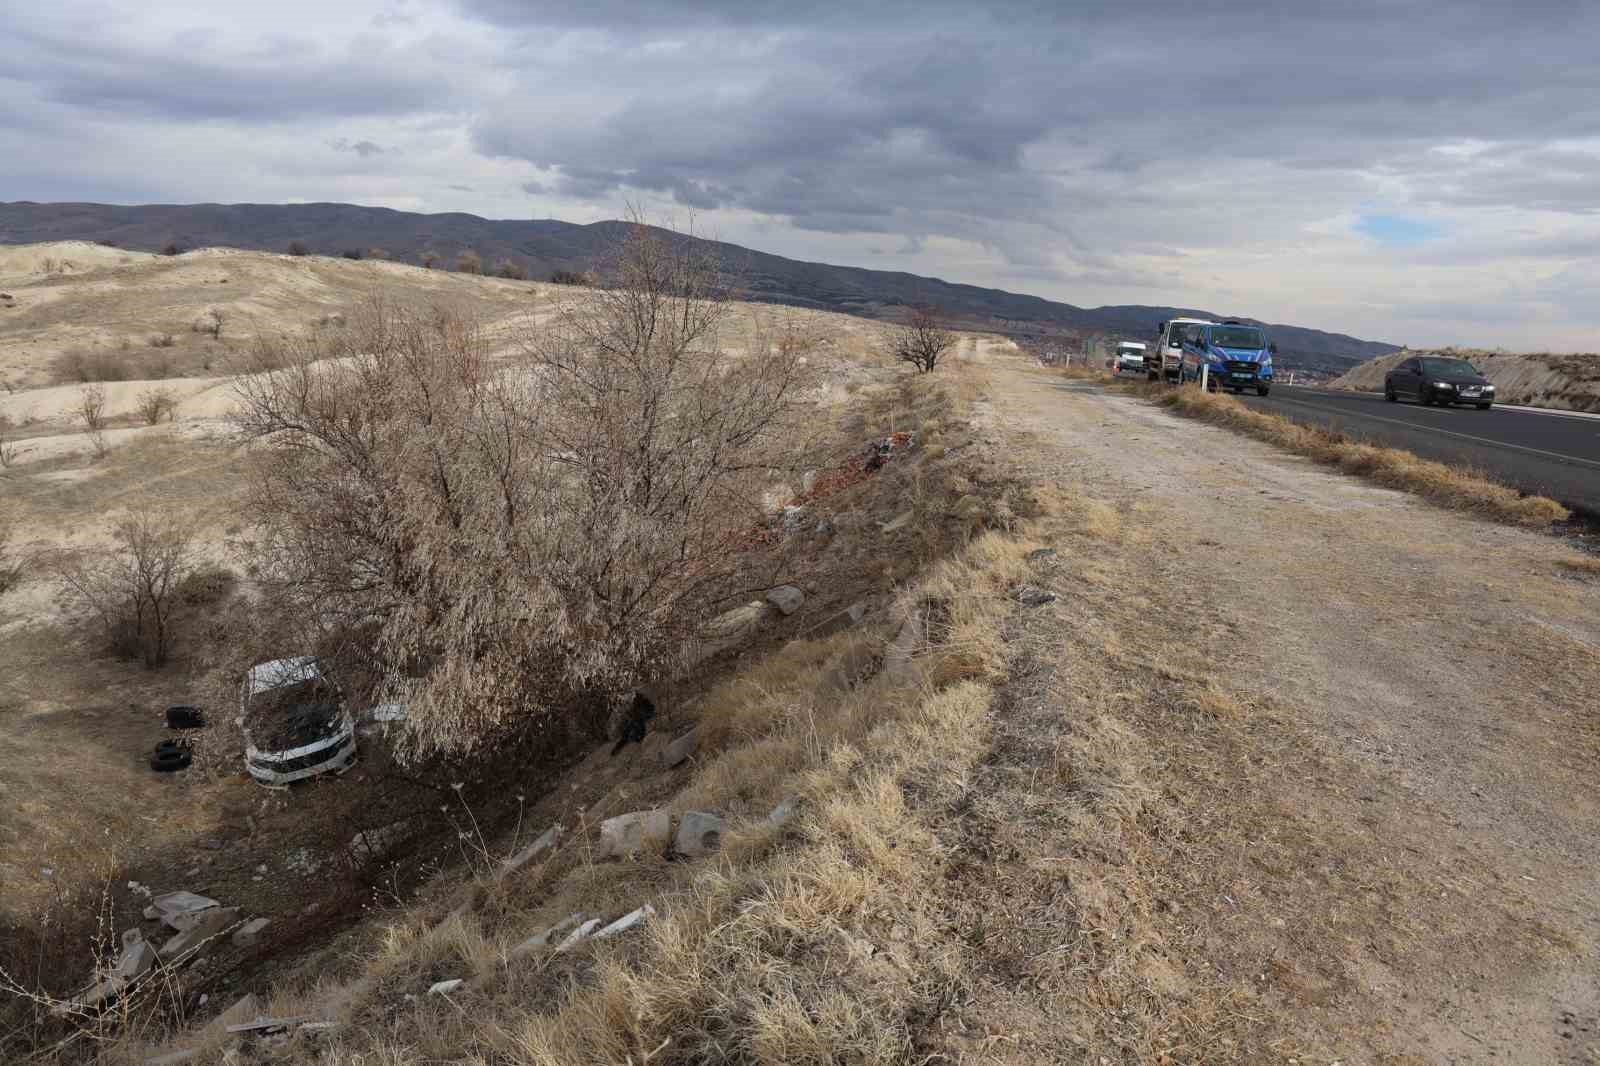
{"points": [[1438, 379]]}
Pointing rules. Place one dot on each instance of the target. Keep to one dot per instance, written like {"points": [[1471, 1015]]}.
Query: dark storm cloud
{"points": [[192, 75], [951, 120]]}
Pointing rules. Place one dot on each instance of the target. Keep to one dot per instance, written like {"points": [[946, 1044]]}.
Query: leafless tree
{"points": [[468, 262], [154, 404], [922, 340], [527, 538], [298, 248], [131, 587], [211, 322]]}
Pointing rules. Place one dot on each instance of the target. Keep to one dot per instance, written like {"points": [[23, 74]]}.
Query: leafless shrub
{"points": [[351, 253], [211, 322], [162, 340], [91, 411], [513, 270], [154, 404], [8, 451], [171, 248], [428, 258], [571, 277], [469, 262], [298, 248], [922, 341], [131, 588], [523, 540], [11, 563]]}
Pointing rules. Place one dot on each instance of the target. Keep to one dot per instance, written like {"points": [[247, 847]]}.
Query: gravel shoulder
{"points": [[1372, 719]]}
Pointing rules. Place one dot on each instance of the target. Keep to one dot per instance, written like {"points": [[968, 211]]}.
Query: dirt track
{"points": [[1412, 871]]}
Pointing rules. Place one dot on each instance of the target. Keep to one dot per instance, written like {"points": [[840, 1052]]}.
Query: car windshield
{"points": [[1455, 367], [1236, 337]]}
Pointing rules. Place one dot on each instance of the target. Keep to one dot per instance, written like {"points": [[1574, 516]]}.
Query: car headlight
{"points": [[1488, 388], [1443, 385]]}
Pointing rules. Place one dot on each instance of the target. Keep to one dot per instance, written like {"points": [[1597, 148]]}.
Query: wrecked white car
{"points": [[295, 723]]}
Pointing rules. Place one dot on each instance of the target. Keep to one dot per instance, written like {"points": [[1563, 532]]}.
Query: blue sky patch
{"points": [[1397, 229]]}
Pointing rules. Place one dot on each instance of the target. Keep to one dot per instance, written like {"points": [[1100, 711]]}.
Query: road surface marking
{"points": [[1449, 433]]}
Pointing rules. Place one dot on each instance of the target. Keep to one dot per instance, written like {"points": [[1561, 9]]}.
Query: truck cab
{"points": [[1232, 354], [1166, 362]]}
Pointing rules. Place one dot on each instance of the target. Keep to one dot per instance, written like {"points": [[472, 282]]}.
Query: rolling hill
{"points": [[545, 246]]}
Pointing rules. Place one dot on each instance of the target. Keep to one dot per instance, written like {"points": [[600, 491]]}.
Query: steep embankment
{"points": [[1538, 379]]}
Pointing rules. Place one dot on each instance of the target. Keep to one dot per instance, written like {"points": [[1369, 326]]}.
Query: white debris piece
{"points": [[444, 988], [548, 840], [626, 922], [577, 935]]}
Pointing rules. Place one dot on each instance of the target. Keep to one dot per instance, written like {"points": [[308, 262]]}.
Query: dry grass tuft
{"points": [[1393, 467], [1584, 565]]}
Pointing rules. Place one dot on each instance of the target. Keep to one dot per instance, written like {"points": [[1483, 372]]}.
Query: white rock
{"points": [[444, 988], [680, 749], [629, 834], [786, 598], [249, 934], [544, 939], [546, 841], [699, 833]]}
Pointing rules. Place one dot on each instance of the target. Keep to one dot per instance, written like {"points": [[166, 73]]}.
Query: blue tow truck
{"points": [[1236, 356]]}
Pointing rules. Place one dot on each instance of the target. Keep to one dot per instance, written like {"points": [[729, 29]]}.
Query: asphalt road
{"points": [[1545, 452]]}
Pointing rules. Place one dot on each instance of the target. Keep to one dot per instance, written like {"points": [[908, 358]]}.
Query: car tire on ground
{"points": [[184, 716], [1484, 406], [165, 760], [1262, 390], [1388, 394]]}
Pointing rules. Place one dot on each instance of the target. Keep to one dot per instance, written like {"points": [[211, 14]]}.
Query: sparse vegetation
{"points": [[130, 588], [428, 259], [469, 262], [571, 277], [211, 322], [351, 253], [155, 404], [533, 537], [91, 411], [162, 340], [1447, 485], [298, 248], [171, 248], [922, 341], [513, 270], [11, 565]]}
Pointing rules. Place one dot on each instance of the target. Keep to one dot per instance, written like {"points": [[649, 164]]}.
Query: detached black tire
{"points": [[183, 716], [167, 760]]}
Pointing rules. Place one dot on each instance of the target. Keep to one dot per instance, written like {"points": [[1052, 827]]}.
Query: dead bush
{"points": [[922, 341], [211, 322], [90, 366], [11, 563], [469, 262], [171, 248], [512, 270], [527, 539], [298, 248], [162, 340], [157, 403], [8, 450], [570, 277], [132, 588]]}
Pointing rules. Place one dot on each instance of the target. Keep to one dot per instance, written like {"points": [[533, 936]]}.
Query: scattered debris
{"points": [[1039, 555], [374, 843], [208, 925], [577, 935], [899, 521], [699, 833], [1032, 595], [265, 1025], [136, 959], [444, 988], [249, 934], [542, 940], [170, 756], [184, 716], [795, 519], [628, 834], [626, 922], [913, 634], [786, 598], [177, 910], [679, 750], [546, 841]]}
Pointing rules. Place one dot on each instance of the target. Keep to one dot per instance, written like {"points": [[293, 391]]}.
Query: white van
{"points": [[1166, 362], [1130, 357]]}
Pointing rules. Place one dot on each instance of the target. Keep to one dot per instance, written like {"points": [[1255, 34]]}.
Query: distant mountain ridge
{"points": [[545, 246]]}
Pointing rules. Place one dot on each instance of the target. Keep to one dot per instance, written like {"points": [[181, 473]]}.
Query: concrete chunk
{"points": [[546, 841], [444, 988], [577, 935], [786, 598], [629, 834], [178, 909], [679, 750], [249, 934], [209, 924], [626, 922], [700, 833]]}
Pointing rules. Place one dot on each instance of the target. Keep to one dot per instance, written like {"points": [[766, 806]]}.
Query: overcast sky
{"points": [[1405, 171]]}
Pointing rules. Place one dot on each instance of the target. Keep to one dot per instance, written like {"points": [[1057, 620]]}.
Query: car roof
{"points": [[1131, 344], [1191, 321]]}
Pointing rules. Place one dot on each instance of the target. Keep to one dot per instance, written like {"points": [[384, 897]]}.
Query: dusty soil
{"points": [[1297, 768]]}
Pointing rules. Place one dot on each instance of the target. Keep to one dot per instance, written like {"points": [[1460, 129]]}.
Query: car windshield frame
{"points": [[1440, 364], [1252, 332]]}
